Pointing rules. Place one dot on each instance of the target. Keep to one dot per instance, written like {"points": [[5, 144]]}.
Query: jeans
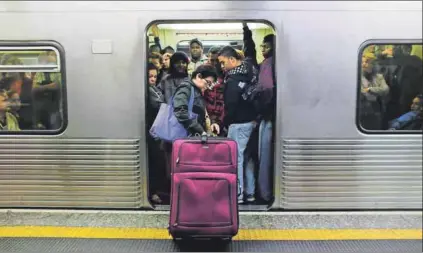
{"points": [[241, 134], [265, 160]]}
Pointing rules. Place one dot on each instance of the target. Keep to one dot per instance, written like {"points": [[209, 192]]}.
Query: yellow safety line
{"points": [[245, 235]]}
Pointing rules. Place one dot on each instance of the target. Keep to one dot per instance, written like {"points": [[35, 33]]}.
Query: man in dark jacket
{"points": [[197, 57], [240, 114], [267, 101]]}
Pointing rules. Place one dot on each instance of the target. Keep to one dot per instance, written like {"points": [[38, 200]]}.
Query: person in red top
{"points": [[214, 95]]}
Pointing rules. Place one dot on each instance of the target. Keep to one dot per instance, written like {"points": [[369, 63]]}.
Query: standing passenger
{"points": [[201, 79], [214, 95], [166, 64], [177, 74], [156, 165], [47, 96], [239, 114], [374, 92], [267, 100], [21, 86], [197, 56], [8, 121]]}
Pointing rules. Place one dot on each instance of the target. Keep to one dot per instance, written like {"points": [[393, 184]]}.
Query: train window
{"points": [[175, 51], [31, 89], [390, 96]]}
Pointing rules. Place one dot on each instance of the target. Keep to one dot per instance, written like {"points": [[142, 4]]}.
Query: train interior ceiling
{"points": [[178, 35]]}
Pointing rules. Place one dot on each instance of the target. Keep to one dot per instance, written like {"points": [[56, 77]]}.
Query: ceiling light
{"points": [[210, 26]]}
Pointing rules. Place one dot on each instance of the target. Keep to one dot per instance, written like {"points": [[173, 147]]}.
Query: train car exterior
{"points": [[97, 158]]}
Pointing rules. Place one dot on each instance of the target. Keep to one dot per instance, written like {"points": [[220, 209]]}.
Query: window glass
{"points": [[391, 87], [31, 89]]}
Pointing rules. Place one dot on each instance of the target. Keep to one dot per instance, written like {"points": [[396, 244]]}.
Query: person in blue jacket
{"points": [[411, 120]]}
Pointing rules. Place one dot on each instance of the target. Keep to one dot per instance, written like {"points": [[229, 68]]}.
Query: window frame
{"points": [[361, 49], [60, 54]]}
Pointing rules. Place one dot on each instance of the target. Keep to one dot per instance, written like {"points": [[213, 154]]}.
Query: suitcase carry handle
{"points": [[203, 137]]}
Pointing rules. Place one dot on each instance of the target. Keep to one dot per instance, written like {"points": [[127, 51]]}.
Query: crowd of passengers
{"points": [[30, 101], [391, 89], [219, 80]]}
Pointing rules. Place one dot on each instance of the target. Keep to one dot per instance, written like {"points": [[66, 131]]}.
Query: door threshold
{"points": [[242, 207]]}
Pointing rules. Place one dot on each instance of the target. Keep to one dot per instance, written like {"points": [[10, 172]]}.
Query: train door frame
{"points": [[277, 163]]}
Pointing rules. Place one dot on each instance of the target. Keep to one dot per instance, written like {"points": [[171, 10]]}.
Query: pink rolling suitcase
{"points": [[204, 188]]}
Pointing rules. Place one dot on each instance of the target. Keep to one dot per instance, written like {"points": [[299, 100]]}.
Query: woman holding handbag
{"points": [[185, 113], [202, 78]]}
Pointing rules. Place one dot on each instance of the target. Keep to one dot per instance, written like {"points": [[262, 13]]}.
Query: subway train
{"points": [[92, 152]]}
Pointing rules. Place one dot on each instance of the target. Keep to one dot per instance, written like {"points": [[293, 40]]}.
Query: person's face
{"points": [[415, 106], [227, 63], [156, 63], [213, 60], [4, 104], [400, 50], [266, 49], [203, 83], [196, 50], [152, 77], [166, 60], [180, 66], [15, 102], [366, 65]]}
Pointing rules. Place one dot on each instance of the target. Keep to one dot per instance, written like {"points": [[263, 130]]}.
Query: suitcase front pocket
{"points": [[204, 202]]}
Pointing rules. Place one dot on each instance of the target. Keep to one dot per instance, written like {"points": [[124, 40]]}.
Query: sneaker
{"points": [[251, 198], [240, 201], [156, 199]]}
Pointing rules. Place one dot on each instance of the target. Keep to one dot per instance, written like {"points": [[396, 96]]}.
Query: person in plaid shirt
{"points": [[214, 95]]}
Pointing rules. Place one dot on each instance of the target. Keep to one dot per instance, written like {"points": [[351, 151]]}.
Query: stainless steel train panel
{"points": [[352, 174], [91, 173]]}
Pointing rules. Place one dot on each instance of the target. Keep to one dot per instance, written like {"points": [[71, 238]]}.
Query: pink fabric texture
{"points": [[204, 188]]}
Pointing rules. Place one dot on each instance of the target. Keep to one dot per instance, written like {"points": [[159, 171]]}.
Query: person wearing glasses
{"points": [[202, 78]]}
